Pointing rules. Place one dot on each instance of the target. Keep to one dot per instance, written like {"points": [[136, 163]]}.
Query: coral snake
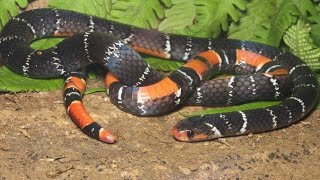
{"points": [[256, 71]]}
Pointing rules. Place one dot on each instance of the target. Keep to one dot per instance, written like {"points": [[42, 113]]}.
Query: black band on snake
{"points": [[257, 72]]}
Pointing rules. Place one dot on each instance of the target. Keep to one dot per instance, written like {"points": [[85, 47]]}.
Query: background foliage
{"points": [[289, 24]]}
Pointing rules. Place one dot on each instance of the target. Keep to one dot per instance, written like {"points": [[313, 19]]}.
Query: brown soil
{"points": [[39, 141]]}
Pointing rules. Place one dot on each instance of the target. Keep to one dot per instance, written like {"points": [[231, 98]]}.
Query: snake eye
{"points": [[190, 134]]}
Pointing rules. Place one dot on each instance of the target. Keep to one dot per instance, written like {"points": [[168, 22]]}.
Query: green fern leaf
{"points": [[163, 65], [267, 20], [315, 29], [13, 82], [212, 16], [141, 13], [10, 8], [305, 7], [284, 18], [45, 43], [253, 105], [297, 37], [252, 26], [180, 16], [95, 90], [99, 8]]}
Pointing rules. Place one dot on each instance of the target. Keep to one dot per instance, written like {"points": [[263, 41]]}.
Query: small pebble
{"points": [[214, 167], [205, 166], [113, 166], [135, 172], [124, 174], [3, 123], [194, 167], [158, 167], [25, 133], [178, 146], [64, 160], [144, 150], [185, 171], [2, 136], [101, 168]]}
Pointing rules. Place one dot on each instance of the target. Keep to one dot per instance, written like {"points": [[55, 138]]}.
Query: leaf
{"points": [[267, 20], [283, 18], [167, 3], [178, 17], [163, 65], [193, 17], [10, 8], [13, 82], [99, 8], [297, 37], [94, 90], [45, 43], [213, 16], [248, 106], [141, 13], [315, 29], [252, 26], [305, 7]]}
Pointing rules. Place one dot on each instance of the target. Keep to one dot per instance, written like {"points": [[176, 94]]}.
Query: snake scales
{"points": [[258, 72]]}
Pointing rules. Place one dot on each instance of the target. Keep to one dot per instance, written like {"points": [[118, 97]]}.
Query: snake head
{"points": [[190, 130]]}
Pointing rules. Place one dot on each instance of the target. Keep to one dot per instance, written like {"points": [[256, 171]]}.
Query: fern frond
{"points": [[140, 13], [267, 20], [13, 82], [252, 26], [180, 16], [99, 8], [213, 16], [297, 37], [163, 65], [315, 28], [10, 8]]}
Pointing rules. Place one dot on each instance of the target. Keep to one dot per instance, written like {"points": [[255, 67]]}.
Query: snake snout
{"points": [[180, 135]]}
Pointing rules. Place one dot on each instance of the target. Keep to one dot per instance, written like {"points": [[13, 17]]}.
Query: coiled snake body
{"points": [[259, 72]]}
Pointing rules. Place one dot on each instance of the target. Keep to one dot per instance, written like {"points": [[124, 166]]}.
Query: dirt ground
{"points": [[39, 141]]}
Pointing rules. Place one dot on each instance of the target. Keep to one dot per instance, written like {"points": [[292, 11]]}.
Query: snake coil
{"points": [[258, 72]]}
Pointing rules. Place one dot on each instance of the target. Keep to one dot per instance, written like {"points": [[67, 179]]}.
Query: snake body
{"points": [[258, 72]]}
